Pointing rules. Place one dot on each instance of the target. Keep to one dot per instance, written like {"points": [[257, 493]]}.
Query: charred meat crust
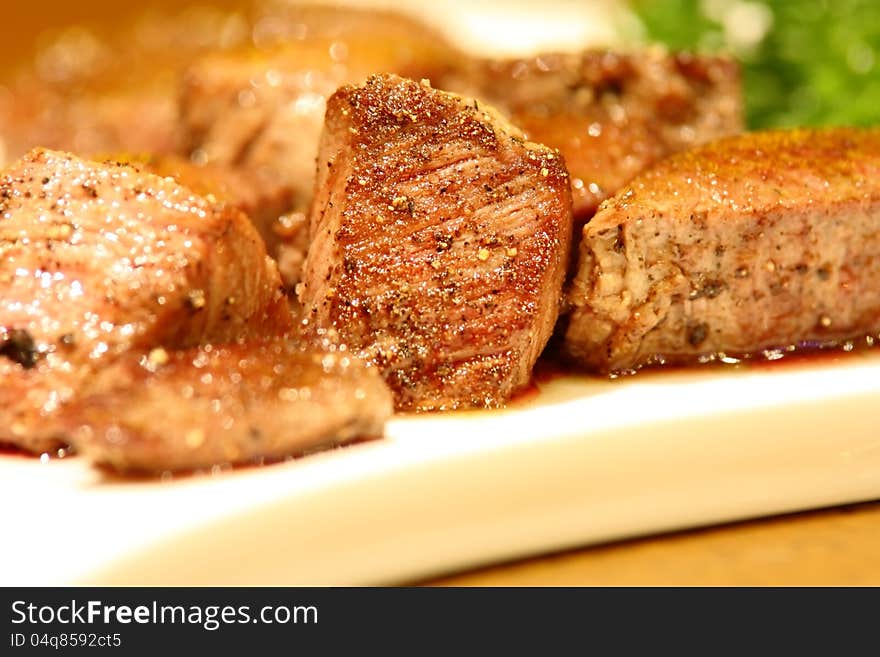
{"points": [[438, 242], [763, 241]]}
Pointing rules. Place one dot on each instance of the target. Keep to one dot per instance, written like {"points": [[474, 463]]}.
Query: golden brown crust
{"points": [[762, 241]]}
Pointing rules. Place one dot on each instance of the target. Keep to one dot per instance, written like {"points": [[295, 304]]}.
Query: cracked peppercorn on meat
{"points": [[98, 259], [440, 238], [763, 241]]}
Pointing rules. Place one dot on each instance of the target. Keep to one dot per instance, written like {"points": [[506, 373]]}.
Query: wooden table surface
{"points": [[839, 546]]}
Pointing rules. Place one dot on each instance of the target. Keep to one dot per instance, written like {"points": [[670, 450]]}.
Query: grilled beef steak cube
{"points": [[439, 239], [97, 259], [764, 241]]}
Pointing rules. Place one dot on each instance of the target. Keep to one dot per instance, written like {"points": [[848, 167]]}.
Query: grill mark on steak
{"points": [[438, 242], [610, 114], [763, 241]]}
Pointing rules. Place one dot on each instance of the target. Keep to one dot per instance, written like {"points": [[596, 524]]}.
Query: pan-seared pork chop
{"points": [[97, 259], [763, 241], [439, 242], [263, 107], [610, 114], [232, 404]]}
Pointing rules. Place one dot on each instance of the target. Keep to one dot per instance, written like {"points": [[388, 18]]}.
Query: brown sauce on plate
{"points": [[552, 365], [803, 356]]}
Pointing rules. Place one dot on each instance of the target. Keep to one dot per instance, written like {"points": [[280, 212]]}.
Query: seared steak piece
{"points": [[206, 406], [293, 231], [764, 241], [263, 108], [100, 259], [610, 114], [439, 242]]}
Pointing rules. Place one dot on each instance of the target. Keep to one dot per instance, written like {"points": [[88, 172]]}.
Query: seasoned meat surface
{"points": [[97, 259], [263, 107], [439, 242], [213, 405], [759, 242], [266, 201], [610, 114]]}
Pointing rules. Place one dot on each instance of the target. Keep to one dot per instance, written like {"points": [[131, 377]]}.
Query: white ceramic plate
{"points": [[583, 461], [586, 460]]}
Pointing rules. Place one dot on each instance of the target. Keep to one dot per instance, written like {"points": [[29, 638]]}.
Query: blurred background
{"points": [[806, 62]]}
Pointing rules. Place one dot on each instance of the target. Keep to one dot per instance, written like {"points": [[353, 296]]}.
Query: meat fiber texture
{"points": [[439, 239], [263, 107], [611, 114], [101, 259], [767, 241]]}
